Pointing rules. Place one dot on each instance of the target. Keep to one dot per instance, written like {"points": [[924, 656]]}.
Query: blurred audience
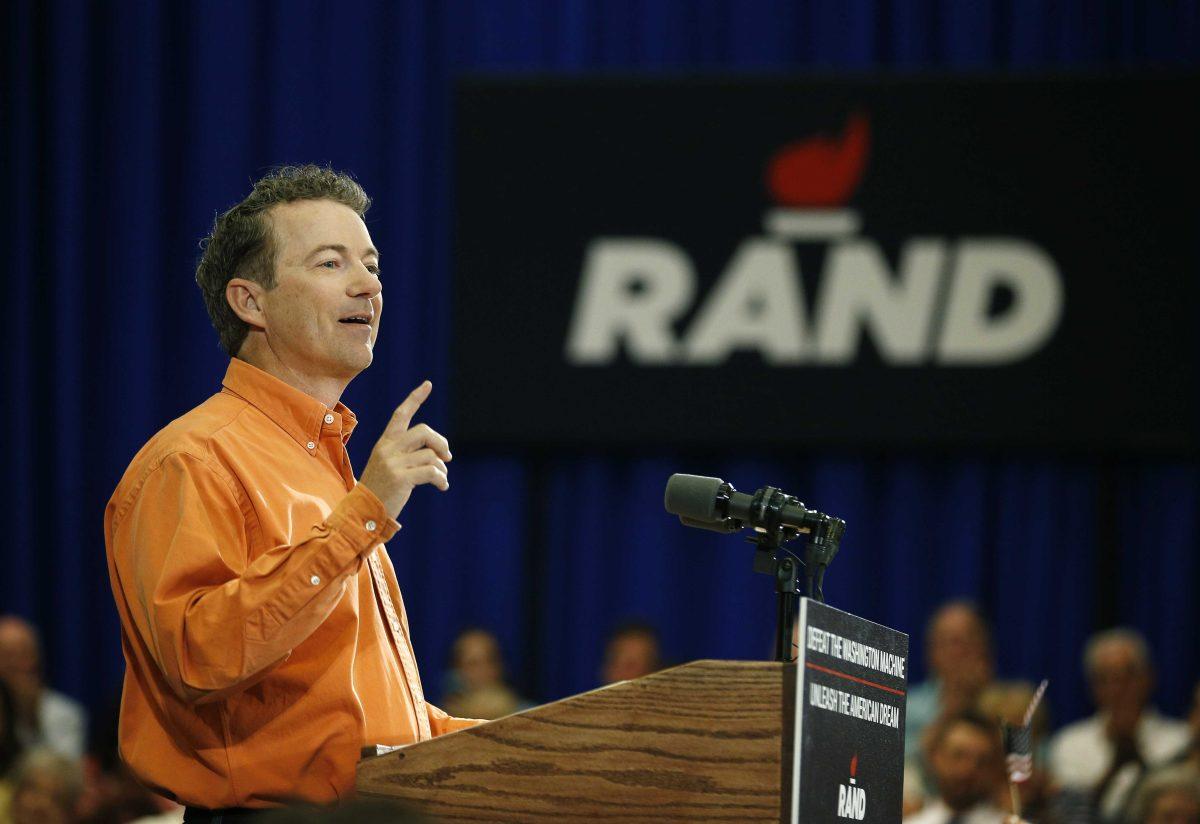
{"points": [[10, 748], [958, 652], [1105, 756], [965, 763], [45, 718], [1188, 758], [1169, 796], [475, 685], [914, 795], [353, 812], [1190, 752], [1126, 764], [46, 788], [632, 651], [111, 795], [1005, 702]]}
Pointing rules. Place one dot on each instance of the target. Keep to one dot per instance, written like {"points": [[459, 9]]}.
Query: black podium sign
{"points": [[852, 677]]}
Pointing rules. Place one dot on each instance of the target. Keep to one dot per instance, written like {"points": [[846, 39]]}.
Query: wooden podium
{"points": [[706, 741]]}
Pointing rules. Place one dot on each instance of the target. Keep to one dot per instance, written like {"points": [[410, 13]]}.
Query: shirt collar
{"points": [[297, 413]]}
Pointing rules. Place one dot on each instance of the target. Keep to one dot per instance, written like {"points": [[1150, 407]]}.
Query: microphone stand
{"points": [[771, 559]]}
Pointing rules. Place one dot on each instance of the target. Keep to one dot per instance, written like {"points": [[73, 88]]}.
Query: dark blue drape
{"points": [[126, 125]]}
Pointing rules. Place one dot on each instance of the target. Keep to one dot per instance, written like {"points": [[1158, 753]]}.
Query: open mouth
{"points": [[363, 319]]}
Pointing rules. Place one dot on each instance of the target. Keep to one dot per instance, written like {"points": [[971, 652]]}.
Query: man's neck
{"points": [[325, 389]]}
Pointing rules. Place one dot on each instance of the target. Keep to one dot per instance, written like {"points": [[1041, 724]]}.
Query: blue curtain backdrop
{"points": [[127, 125]]}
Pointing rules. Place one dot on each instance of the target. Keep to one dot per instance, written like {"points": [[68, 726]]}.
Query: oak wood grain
{"points": [[699, 742]]}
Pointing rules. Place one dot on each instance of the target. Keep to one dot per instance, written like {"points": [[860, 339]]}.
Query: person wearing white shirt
{"points": [[958, 645], [45, 718], [1104, 756]]}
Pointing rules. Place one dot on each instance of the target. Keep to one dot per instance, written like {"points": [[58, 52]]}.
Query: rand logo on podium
{"points": [[851, 674], [851, 681]]}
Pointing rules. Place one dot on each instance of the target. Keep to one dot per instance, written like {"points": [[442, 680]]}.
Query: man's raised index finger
{"points": [[403, 415]]}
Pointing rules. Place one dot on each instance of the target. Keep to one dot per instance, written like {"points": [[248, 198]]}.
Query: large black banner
{"points": [[864, 262]]}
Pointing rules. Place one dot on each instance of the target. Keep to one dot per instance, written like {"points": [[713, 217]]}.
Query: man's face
{"points": [[322, 316], [478, 660], [1120, 682], [630, 656], [20, 662], [957, 641], [966, 766]]}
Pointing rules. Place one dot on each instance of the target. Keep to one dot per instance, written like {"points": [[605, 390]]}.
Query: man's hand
{"points": [[405, 457]]}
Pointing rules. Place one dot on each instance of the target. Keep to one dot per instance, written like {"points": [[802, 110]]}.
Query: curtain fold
{"points": [[128, 125]]}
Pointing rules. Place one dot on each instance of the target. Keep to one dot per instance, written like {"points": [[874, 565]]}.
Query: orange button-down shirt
{"points": [[264, 634]]}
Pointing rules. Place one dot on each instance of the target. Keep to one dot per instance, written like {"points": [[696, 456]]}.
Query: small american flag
{"points": [[1018, 748], [1018, 741]]}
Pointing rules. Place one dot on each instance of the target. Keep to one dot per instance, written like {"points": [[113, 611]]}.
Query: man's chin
{"points": [[960, 802], [348, 364], [361, 361]]}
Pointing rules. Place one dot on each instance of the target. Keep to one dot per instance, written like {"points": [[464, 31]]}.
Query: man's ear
{"points": [[245, 298]]}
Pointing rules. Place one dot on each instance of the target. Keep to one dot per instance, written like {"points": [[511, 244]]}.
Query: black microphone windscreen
{"points": [[693, 497]]}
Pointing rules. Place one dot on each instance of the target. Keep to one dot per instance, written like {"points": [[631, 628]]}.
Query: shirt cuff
{"points": [[362, 520]]}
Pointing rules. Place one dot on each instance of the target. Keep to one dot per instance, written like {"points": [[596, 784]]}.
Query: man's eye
{"points": [[330, 264], [374, 270]]}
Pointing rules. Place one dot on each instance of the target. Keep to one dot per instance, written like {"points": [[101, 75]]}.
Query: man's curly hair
{"points": [[241, 243]]}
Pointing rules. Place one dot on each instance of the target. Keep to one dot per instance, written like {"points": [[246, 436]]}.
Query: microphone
{"points": [[711, 503]]}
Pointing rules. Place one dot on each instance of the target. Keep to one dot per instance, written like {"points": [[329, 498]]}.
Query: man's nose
{"points": [[365, 283]]}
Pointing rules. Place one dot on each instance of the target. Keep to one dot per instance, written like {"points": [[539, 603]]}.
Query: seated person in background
{"points": [[958, 650], [1190, 753], [914, 789], [111, 794], [10, 747], [475, 684], [46, 789], [1188, 757], [1170, 796], [45, 718], [1105, 755], [632, 651], [965, 763]]}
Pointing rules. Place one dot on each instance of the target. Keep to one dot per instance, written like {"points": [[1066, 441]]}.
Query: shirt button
{"points": [[329, 419], [312, 445], [316, 579], [370, 525]]}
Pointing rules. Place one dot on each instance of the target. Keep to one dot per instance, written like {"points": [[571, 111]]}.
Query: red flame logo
{"points": [[821, 171], [854, 765]]}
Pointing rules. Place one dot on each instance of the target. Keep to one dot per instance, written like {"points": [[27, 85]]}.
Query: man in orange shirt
{"points": [[265, 638]]}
